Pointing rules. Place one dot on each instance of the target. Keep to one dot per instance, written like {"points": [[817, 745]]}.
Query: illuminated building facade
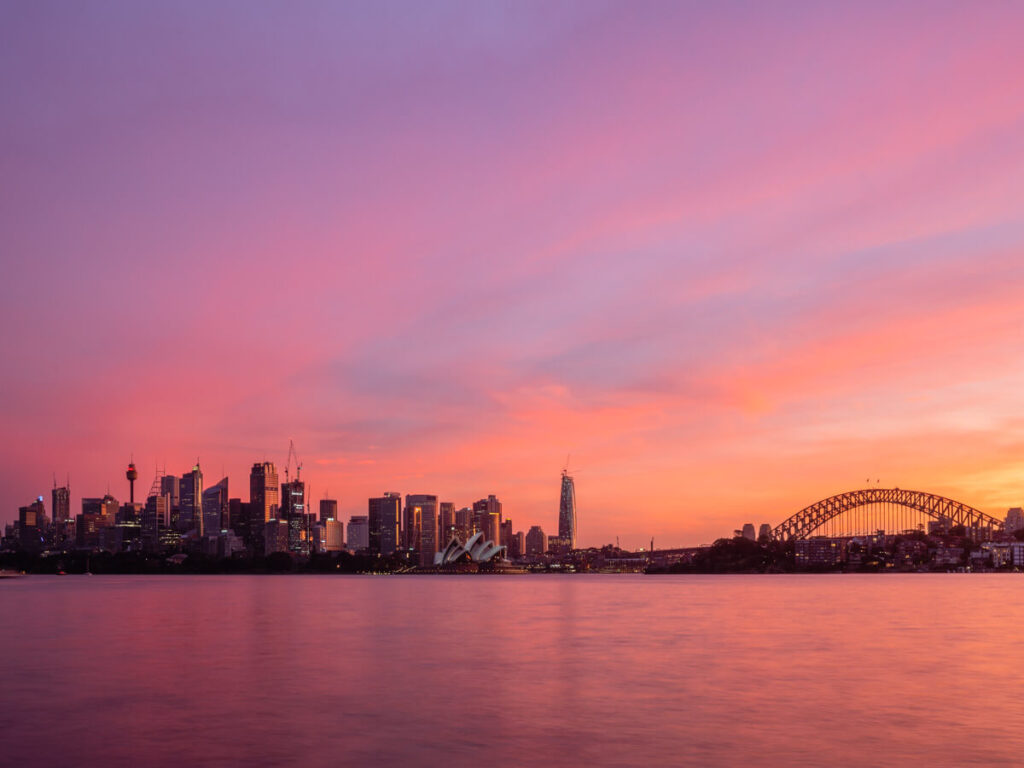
{"points": [[567, 511]]}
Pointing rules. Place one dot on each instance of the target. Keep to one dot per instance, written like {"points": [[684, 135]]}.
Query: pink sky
{"points": [[732, 259]]}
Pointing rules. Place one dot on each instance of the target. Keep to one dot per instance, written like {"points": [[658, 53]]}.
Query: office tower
{"points": [[488, 517], [358, 533], [536, 541], [421, 524], [156, 516], [293, 510], [567, 511], [328, 510], [171, 485], [263, 502], [384, 517], [1014, 519], [31, 525], [191, 515], [216, 508], [765, 532], [446, 523], [748, 531], [61, 504], [506, 534], [334, 535], [238, 518], [517, 545], [465, 524], [275, 536]]}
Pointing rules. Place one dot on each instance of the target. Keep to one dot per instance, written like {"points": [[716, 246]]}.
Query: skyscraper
{"points": [[192, 501], [536, 542], [293, 510], [488, 517], [216, 514], [446, 523], [358, 533], [567, 511], [263, 502], [384, 516], [61, 512], [421, 525], [328, 510]]}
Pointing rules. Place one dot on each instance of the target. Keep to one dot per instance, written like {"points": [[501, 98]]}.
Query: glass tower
{"points": [[567, 512]]}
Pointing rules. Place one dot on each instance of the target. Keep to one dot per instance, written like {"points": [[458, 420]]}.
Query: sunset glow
{"points": [[727, 264]]}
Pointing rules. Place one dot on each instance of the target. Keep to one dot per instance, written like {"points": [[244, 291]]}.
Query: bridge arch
{"points": [[809, 519]]}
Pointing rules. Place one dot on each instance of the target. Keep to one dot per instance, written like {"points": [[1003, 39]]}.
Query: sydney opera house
{"points": [[476, 550]]}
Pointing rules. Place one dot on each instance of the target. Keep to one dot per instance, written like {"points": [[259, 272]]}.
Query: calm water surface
{"points": [[560, 670]]}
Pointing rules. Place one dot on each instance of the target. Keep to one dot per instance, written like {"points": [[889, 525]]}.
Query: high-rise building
{"points": [[263, 502], [446, 523], [293, 509], [765, 532], [567, 511], [536, 541], [192, 501], [421, 525], [171, 486], [384, 517], [748, 531], [334, 535], [1014, 519], [517, 545], [506, 535], [156, 516], [328, 510], [32, 524], [275, 536], [358, 533], [465, 524], [216, 508], [238, 518], [487, 513], [61, 504]]}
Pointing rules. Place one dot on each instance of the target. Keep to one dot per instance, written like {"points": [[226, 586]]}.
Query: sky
{"points": [[724, 259]]}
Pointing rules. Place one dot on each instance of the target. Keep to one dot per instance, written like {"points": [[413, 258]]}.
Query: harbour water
{"points": [[879, 670]]}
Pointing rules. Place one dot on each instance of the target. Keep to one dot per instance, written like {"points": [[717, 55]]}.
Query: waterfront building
{"points": [[1014, 520], [446, 521], [328, 510], [358, 533], [505, 536], [476, 550], [61, 507], [263, 502], [465, 523], [191, 515], [748, 532], [238, 518], [765, 531], [567, 511], [275, 536], [384, 516], [32, 523], [819, 552], [536, 541], [216, 508], [517, 545], [293, 510], [487, 514], [334, 535], [421, 515], [156, 516]]}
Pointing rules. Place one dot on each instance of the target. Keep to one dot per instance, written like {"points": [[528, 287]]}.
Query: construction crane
{"points": [[288, 464]]}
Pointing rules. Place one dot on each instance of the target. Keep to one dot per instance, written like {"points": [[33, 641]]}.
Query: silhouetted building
{"points": [[32, 524], [334, 535], [765, 532], [263, 502], [238, 518], [446, 527], [384, 516], [216, 510], [465, 523], [156, 516], [536, 541], [487, 515], [328, 510], [192, 501], [517, 545], [567, 511], [61, 506], [748, 531], [506, 534], [421, 516], [275, 536], [1014, 519], [358, 533], [293, 509]]}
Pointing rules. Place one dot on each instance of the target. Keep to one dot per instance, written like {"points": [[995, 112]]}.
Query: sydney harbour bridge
{"points": [[893, 510]]}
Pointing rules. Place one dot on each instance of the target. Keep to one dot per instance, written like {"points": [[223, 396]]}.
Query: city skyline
{"points": [[732, 261]]}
